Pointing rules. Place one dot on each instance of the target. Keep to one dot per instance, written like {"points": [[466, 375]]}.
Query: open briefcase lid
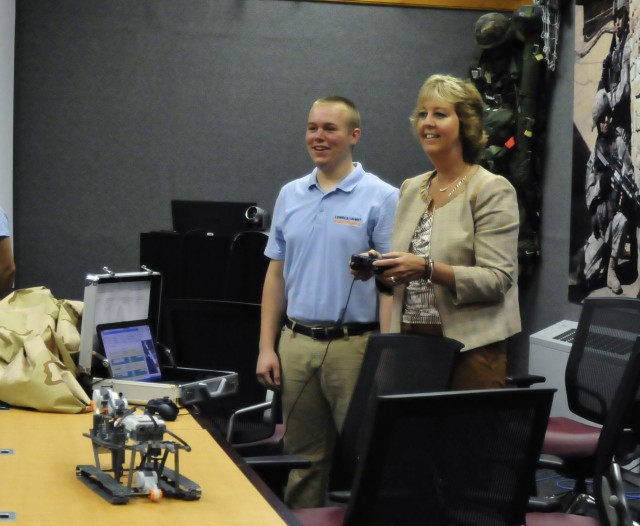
{"points": [[111, 298]]}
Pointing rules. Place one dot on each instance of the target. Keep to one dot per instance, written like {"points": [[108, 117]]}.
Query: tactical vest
{"points": [[509, 78]]}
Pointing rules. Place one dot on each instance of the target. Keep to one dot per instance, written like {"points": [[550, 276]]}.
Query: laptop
{"points": [[136, 373], [130, 350]]}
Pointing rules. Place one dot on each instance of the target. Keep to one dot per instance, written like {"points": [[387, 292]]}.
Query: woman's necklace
{"points": [[458, 182], [458, 185], [455, 186], [425, 186]]}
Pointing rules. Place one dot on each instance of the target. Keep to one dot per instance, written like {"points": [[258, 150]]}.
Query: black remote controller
{"points": [[359, 262]]}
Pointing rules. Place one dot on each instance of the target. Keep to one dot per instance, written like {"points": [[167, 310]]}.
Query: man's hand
{"points": [[268, 369]]}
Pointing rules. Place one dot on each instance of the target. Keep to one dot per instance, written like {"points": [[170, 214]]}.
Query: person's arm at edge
{"points": [[382, 242], [7, 266], [272, 312], [386, 303]]}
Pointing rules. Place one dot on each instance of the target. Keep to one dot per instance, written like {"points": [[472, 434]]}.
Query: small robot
{"points": [[117, 429]]}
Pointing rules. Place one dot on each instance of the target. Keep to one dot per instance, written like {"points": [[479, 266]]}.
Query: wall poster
{"points": [[606, 150]]}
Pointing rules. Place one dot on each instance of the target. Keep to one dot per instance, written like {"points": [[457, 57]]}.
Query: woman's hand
{"points": [[401, 268]]}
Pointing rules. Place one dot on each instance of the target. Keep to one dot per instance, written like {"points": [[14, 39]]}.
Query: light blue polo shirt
{"points": [[4, 224], [315, 233]]}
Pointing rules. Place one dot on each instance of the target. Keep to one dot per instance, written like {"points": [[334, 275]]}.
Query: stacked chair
{"points": [[598, 361], [468, 457], [454, 458], [246, 267], [223, 335], [393, 364]]}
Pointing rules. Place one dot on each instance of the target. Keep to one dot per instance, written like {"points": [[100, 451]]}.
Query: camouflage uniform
{"points": [[604, 201]]}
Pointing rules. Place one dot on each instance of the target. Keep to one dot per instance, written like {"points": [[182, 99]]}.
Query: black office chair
{"points": [[624, 417], [247, 266], [462, 457], [393, 364], [599, 356], [223, 335], [609, 487]]}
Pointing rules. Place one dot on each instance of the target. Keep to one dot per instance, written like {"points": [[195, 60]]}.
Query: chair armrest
{"points": [[274, 469], [526, 380], [278, 462], [544, 504], [250, 409], [552, 503], [546, 461], [263, 406], [340, 496]]}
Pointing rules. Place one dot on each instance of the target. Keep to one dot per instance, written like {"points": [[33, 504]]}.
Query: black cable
{"points": [[324, 356], [183, 442]]}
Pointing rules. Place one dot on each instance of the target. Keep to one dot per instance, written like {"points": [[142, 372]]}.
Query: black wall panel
{"points": [[123, 105]]}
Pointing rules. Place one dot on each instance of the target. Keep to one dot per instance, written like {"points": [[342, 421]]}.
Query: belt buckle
{"points": [[319, 333]]}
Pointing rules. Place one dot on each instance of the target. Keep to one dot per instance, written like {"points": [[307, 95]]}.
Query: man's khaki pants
{"points": [[318, 378]]}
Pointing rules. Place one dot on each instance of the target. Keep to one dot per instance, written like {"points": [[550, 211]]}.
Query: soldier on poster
{"points": [[606, 200], [610, 189]]}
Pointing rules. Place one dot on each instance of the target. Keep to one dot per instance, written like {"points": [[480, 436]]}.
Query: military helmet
{"points": [[527, 19], [620, 8], [620, 4], [492, 29]]}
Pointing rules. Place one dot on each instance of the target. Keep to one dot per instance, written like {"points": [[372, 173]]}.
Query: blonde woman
{"points": [[453, 262]]}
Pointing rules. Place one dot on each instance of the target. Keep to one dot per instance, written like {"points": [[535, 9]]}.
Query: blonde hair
{"points": [[354, 115], [469, 107]]}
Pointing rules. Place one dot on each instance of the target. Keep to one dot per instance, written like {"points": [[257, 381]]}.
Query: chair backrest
{"points": [[247, 266], [219, 335], [461, 457], [607, 479], [605, 336], [392, 364]]}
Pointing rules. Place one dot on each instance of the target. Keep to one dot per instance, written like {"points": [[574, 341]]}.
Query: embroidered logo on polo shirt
{"points": [[346, 220]]}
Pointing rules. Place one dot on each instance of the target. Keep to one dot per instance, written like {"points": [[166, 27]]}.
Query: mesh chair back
{"points": [[247, 266], [609, 488], [605, 336], [462, 458], [393, 364], [221, 335]]}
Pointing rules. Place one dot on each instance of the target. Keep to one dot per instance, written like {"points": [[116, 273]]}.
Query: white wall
{"points": [[7, 34]]}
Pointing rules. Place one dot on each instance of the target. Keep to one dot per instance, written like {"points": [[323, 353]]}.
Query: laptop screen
{"points": [[130, 350]]}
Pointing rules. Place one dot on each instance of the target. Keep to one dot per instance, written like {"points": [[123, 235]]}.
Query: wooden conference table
{"points": [[38, 479]]}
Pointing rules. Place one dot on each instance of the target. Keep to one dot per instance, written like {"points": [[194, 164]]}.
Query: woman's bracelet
{"points": [[428, 268]]}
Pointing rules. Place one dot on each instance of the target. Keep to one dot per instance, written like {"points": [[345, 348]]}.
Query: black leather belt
{"points": [[332, 332]]}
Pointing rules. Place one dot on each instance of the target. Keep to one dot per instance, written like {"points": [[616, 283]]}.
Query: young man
{"points": [[319, 221], [7, 265]]}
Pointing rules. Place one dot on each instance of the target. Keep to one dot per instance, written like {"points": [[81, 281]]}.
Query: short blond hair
{"points": [[354, 115], [469, 108]]}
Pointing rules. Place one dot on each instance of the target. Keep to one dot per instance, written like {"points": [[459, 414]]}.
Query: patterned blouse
{"points": [[419, 299]]}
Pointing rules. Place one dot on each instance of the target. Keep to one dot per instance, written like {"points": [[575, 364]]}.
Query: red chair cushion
{"points": [[559, 519], [320, 516], [569, 438]]}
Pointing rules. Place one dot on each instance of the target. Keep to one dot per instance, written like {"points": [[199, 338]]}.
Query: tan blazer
{"points": [[476, 232]]}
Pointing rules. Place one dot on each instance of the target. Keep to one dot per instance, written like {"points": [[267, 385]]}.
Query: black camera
{"points": [[360, 262]]}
